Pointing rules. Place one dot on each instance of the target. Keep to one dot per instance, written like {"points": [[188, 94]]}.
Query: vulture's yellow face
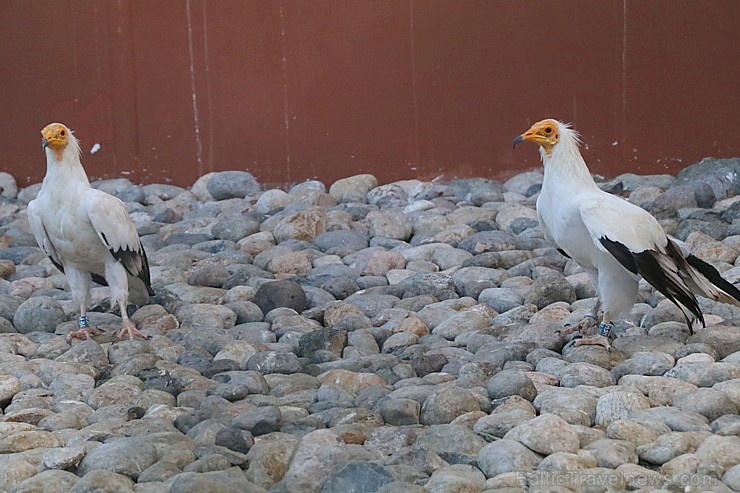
{"points": [[55, 136], [545, 133]]}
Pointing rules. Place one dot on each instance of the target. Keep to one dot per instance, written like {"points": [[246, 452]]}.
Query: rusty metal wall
{"points": [[297, 89]]}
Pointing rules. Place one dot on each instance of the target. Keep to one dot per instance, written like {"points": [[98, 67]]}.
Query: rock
{"points": [[269, 459], [617, 405], [644, 363], [669, 446], [400, 412], [231, 184], [586, 374], [315, 457], [635, 431], [566, 461], [275, 294], [611, 453], [38, 314], [505, 455], [707, 402], [546, 434], [353, 188], [356, 477], [455, 444], [50, 481], [125, 456], [447, 403], [507, 382], [718, 453], [574, 405], [457, 477], [227, 481], [103, 480]]}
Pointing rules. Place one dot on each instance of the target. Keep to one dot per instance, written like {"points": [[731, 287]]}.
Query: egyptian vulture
{"points": [[614, 241], [87, 233]]}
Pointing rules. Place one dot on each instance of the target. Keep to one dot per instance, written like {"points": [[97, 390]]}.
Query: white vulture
{"points": [[87, 233], [614, 241]]}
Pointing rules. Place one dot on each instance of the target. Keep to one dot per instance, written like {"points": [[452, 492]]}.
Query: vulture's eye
{"points": [[548, 130], [62, 133]]}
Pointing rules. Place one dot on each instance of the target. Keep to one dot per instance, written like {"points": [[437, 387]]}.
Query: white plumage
{"points": [[614, 241], [87, 233]]}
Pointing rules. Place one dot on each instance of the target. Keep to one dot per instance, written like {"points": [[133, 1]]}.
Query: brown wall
{"points": [[296, 89]]}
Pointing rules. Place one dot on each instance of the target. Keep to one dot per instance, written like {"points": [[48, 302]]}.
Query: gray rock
{"points": [[676, 419], [228, 481], [732, 477], [103, 480], [507, 382], [611, 453], [670, 445], [275, 362], [400, 412], [573, 405], [500, 299], [50, 481], [618, 405], [471, 281], [718, 453], [125, 456], [644, 363], [353, 188], [38, 314], [503, 456], [723, 339], [232, 184], [586, 374], [546, 434], [356, 477], [455, 444], [341, 242], [260, 421], [235, 228], [313, 461], [447, 403], [707, 402], [549, 289], [275, 294], [457, 477], [498, 424]]}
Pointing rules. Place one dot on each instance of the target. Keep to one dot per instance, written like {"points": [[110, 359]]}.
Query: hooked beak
{"points": [[44, 144], [518, 139]]}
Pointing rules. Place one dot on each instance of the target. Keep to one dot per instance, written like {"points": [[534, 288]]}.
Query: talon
{"points": [[130, 331], [84, 333], [594, 341]]}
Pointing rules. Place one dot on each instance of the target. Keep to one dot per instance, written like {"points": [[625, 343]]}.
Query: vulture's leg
{"points": [[117, 279], [602, 339], [129, 330], [79, 283], [586, 325]]}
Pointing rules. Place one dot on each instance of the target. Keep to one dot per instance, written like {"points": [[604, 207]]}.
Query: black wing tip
{"points": [[708, 271]]}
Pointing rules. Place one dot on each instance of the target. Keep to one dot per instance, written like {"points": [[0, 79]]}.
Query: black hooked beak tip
{"points": [[518, 139], [44, 144]]}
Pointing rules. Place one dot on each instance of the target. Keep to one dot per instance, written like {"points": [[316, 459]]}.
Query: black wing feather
{"points": [[136, 264], [620, 252], [647, 265], [714, 276]]}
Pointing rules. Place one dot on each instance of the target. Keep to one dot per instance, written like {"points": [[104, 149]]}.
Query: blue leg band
{"points": [[605, 329], [83, 321]]}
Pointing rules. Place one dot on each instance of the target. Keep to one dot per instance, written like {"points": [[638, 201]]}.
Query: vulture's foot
{"points": [[130, 332], [84, 333], [594, 341], [584, 326]]}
